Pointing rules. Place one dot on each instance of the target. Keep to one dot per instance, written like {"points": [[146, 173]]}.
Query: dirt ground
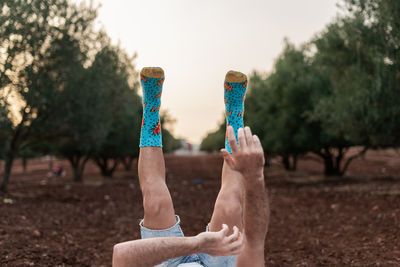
{"points": [[350, 222]]}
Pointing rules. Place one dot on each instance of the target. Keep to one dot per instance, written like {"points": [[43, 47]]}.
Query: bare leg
{"points": [[157, 202], [228, 206]]}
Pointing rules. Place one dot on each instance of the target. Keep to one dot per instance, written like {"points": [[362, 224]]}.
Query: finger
{"points": [[234, 236], [241, 238], [237, 246], [232, 139], [249, 136], [239, 241], [228, 158], [242, 139], [257, 143], [224, 229], [240, 244]]}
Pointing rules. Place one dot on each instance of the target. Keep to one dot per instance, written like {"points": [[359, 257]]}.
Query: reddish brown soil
{"points": [[353, 222]]}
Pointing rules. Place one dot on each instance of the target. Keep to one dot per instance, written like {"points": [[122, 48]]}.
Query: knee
{"points": [[155, 202], [230, 204]]}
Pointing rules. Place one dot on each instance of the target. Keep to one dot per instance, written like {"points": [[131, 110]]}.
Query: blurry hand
{"points": [[248, 157], [220, 243]]}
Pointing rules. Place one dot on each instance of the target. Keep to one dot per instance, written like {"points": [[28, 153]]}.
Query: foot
{"points": [[234, 93], [152, 79], [152, 72]]}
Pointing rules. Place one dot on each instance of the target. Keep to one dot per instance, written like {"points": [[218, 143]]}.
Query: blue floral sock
{"points": [[235, 90], [152, 79]]}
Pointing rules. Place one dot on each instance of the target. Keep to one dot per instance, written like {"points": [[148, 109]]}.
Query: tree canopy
{"points": [[339, 90], [31, 31], [73, 93]]}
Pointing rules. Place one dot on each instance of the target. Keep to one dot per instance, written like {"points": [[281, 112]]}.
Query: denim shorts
{"points": [[201, 258]]}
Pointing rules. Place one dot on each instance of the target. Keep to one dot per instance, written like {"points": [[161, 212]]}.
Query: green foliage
{"points": [[339, 90], [28, 32], [113, 70], [279, 104], [170, 143], [360, 55], [85, 115], [97, 110], [77, 93], [27, 28], [280, 109], [215, 140]]}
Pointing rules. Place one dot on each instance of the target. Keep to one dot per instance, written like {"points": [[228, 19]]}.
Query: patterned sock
{"points": [[152, 79], [235, 90]]}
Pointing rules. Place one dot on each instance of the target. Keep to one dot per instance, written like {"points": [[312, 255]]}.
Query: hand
{"points": [[248, 157], [220, 243]]}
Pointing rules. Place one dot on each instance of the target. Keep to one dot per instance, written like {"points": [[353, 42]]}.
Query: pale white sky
{"points": [[197, 42]]}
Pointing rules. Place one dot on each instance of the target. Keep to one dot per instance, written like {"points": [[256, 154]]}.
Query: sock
{"points": [[235, 89], [152, 79]]}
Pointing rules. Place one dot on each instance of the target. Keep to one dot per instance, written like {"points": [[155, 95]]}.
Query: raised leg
{"points": [[157, 203], [158, 208], [228, 207]]}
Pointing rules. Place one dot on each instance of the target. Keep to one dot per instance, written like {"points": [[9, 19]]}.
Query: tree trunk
{"points": [[289, 161], [111, 170], [267, 159], [77, 173], [78, 166], [24, 165], [127, 162], [7, 170], [333, 164], [350, 159], [103, 165], [51, 164], [294, 165], [11, 153], [285, 161], [330, 168]]}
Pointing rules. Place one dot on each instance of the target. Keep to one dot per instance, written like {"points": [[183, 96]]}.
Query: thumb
{"points": [[224, 229], [228, 157]]}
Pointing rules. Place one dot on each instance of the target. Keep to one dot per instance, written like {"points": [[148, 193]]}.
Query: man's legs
{"points": [[157, 203], [228, 206], [227, 210]]}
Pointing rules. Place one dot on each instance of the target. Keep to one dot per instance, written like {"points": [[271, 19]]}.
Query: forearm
{"points": [[256, 212], [153, 251]]}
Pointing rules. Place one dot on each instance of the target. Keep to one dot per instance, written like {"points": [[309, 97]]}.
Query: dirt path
{"points": [[54, 222]]}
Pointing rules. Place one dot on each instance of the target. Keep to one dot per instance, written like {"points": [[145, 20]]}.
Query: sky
{"points": [[197, 42]]}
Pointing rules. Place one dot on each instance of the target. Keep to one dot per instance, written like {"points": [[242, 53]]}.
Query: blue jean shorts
{"points": [[201, 258]]}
